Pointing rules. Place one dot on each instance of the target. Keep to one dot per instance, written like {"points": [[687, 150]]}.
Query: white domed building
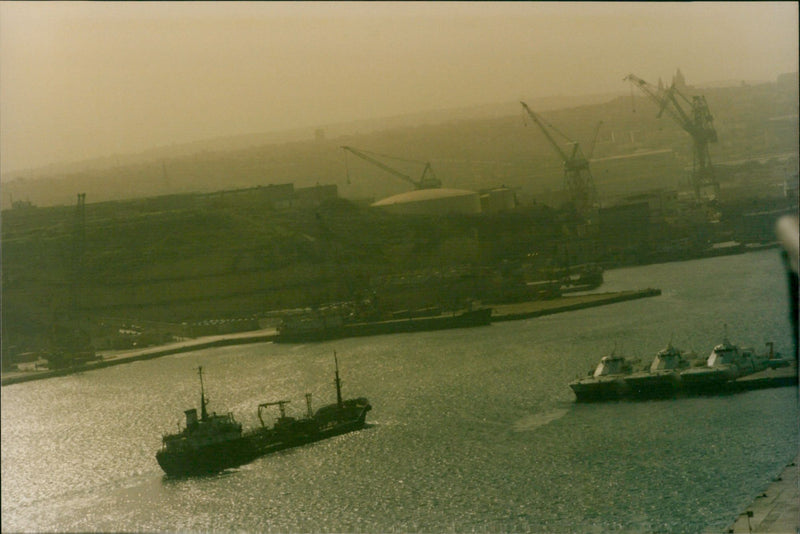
{"points": [[432, 202]]}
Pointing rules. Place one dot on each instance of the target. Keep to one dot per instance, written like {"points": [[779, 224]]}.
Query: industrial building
{"points": [[497, 200], [432, 202]]}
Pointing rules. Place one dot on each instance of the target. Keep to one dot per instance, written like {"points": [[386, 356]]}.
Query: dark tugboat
{"points": [[214, 442]]}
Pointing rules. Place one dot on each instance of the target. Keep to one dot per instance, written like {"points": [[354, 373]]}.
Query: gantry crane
{"points": [[427, 180], [697, 122], [577, 176]]}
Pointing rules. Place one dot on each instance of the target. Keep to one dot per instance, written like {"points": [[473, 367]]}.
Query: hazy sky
{"points": [[87, 79]]}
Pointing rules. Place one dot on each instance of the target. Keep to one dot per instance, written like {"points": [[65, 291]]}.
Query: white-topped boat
{"points": [[726, 362], [663, 378], [607, 381]]}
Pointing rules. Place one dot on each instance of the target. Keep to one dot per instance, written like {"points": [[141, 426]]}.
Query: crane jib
{"points": [[424, 182]]}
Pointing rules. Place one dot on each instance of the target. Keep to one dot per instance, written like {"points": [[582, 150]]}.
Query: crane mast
{"points": [[428, 179], [577, 176], [697, 122]]}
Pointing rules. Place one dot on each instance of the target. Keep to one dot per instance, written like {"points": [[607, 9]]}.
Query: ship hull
{"points": [[209, 459], [481, 317], [699, 380], [653, 384], [602, 388]]}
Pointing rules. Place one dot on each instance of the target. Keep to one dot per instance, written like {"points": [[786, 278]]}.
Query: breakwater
{"points": [[538, 308]]}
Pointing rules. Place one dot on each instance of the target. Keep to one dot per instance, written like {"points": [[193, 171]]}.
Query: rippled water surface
{"points": [[471, 430]]}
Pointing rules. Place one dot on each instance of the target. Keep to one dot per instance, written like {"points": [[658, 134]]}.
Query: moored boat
{"points": [[673, 372], [726, 363], [663, 377], [606, 382]]}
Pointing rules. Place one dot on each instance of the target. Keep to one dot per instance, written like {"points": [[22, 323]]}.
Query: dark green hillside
{"points": [[194, 257]]}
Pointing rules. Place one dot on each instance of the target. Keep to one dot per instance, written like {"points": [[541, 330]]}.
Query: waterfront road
{"points": [[109, 358]]}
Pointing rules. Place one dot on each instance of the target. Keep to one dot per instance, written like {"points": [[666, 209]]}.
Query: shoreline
{"points": [[775, 510], [500, 312]]}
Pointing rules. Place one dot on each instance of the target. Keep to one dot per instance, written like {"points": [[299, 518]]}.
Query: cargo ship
{"points": [[320, 326], [213, 443]]}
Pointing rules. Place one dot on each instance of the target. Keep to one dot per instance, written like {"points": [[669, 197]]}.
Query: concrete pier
{"points": [[539, 308], [775, 510], [768, 378]]}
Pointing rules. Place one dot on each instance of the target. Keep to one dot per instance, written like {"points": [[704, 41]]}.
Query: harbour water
{"points": [[472, 430]]}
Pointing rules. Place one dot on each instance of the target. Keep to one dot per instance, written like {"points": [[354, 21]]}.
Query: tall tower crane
{"points": [[78, 253], [696, 121], [577, 176], [427, 180]]}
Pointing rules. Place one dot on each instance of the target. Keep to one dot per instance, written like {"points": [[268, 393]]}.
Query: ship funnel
{"points": [[338, 383], [191, 417]]}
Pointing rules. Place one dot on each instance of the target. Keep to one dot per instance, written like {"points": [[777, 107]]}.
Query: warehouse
{"points": [[432, 202]]}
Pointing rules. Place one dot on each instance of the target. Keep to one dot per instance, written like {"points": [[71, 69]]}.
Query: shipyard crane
{"points": [[594, 140], [696, 121], [577, 176], [427, 180]]}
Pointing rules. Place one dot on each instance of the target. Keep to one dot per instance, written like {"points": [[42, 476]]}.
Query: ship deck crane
{"points": [[697, 122], [427, 180], [281, 404], [577, 176]]}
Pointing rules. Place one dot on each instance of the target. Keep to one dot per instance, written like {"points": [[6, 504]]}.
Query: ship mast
{"points": [[203, 412], [337, 382]]}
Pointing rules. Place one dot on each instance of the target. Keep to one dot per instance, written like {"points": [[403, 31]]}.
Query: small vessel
{"points": [[727, 362], [607, 382], [663, 378], [215, 442]]}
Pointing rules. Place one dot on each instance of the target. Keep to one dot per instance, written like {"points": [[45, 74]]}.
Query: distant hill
{"points": [[238, 142], [469, 148]]}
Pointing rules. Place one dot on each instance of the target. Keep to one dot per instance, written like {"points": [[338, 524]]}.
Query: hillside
{"points": [[194, 257], [202, 237]]}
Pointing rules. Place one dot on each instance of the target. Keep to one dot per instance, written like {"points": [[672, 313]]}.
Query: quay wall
{"points": [[502, 312]]}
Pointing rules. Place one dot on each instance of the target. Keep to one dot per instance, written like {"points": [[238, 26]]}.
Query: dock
{"points": [[768, 378], [776, 510], [501, 312], [539, 308]]}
